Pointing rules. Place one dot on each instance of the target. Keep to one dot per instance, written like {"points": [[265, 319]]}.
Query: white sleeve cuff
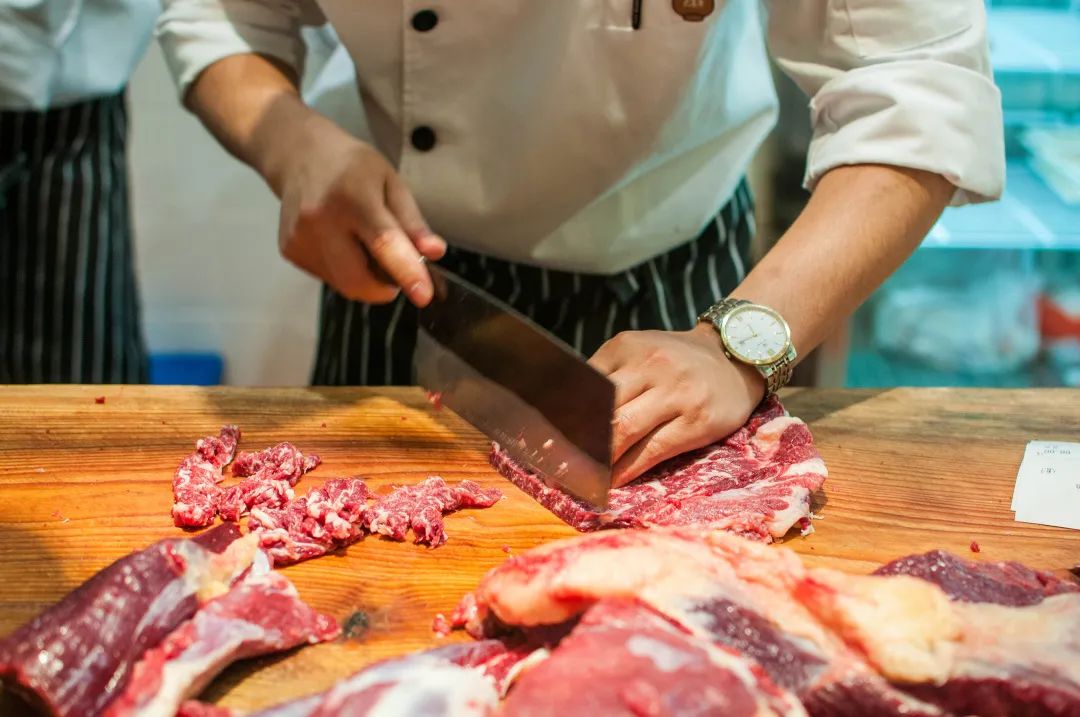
{"points": [[920, 114], [195, 34]]}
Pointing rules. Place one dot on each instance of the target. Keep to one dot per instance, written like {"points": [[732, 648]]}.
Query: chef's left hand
{"points": [[674, 392]]}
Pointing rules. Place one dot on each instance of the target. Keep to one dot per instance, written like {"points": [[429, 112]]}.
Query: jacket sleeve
{"points": [[900, 83], [195, 34]]}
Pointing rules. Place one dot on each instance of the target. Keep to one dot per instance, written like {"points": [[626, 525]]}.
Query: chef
{"points": [[69, 301], [584, 160]]}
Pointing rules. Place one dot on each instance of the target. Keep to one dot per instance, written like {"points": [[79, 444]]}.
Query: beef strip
{"points": [[195, 483], [269, 476], [194, 708], [756, 483], [261, 614], [1003, 583], [421, 507], [327, 518], [73, 659], [844, 644], [624, 659]]}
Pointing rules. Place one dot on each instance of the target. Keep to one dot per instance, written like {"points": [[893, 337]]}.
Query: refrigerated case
{"points": [[992, 297]]}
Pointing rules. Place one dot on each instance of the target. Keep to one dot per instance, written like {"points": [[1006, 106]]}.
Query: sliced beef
{"points": [[195, 483], [325, 519], [1003, 583], [261, 614], [756, 483], [421, 508], [623, 658], [73, 659], [194, 708], [269, 476], [432, 684]]}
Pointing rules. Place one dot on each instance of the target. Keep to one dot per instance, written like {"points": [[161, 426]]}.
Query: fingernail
{"points": [[418, 293]]}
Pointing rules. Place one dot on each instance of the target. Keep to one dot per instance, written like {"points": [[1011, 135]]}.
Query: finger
{"points": [[665, 441], [629, 384], [613, 354], [353, 274], [394, 252], [639, 418], [402, 204]]}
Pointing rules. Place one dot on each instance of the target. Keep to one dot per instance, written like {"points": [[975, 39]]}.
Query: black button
{"points": [[423, 138], [425, 20]]}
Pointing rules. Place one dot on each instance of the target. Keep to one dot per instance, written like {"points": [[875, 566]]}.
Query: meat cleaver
{"points": [[519, 385]]}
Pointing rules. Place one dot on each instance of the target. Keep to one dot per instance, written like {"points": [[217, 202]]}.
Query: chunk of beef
{"points": [[195, 483], [269, 477], [421, 507]]}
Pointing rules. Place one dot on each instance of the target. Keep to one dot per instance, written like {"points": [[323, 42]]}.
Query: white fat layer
{"points": [[812, 466], [420, 682], [798, 506], [664, 656], [514, 673]]}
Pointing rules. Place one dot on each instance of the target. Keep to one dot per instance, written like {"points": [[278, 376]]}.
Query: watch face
{"points": [[755, 334]]}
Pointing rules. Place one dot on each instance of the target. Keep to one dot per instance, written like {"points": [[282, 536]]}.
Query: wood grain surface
{"points": [[82, 484]]}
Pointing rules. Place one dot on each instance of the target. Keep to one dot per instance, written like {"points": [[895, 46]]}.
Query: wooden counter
{"points": [[83, 483]]}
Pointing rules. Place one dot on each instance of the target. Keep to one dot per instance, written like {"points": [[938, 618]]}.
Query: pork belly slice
{"points": [[421, 508], [195, 483], [325, 519], [452, 681], [756, 483], [261, 614], [269, 476], [73, 659], [623, 659]]}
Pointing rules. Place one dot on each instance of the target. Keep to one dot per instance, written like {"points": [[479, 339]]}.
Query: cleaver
{"points": [[519, 385]]}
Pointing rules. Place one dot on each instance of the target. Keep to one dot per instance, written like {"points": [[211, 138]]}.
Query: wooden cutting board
{"points": [[83, 483]]}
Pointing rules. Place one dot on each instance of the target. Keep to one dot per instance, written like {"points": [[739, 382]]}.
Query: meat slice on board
{"points": [[195, 483], [261, 614], [73, 659], [844, 644], [434, 684], [327, 518], [625, 660], [421, 508], [756, 483], [269, 476]]}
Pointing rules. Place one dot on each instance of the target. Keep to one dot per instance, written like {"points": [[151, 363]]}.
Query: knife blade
{"points": [[519, 385]]}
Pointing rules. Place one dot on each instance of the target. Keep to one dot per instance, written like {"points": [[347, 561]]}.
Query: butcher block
{"points": [[85, 478]]}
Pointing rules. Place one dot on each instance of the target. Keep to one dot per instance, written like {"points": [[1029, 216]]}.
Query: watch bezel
{"points": [[768, 360]]}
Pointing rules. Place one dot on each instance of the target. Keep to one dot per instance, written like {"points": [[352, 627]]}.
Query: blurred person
{"points": [[69, 301], [585, 162]]}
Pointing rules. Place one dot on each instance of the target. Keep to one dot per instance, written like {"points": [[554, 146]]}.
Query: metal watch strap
{"points": [[776, 375]]}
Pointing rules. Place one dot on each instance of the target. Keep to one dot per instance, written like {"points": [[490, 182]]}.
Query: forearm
{"points": [[251, 104], [859, 226]]}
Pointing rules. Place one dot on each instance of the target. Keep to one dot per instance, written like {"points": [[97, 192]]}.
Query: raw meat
{"points": [[422, 506], [623, 658], [195, 483], [432, 684], [269, 476], [1004, 583], [325, 519], [261, 614], [74, 658], [844, 644], [756, 483], [193, 708]]}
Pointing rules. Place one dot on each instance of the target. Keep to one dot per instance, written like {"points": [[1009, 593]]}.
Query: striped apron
{"points": [[69, 303], [362, 344]]}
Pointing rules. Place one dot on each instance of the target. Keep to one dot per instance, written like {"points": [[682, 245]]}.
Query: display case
{"points": [[992, 297]]}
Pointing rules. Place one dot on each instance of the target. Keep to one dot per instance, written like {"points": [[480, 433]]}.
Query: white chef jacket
{"points": [[565, 138], [55, 53]]}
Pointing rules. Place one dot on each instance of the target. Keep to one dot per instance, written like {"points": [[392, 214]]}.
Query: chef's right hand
{"points": [[347, 218]]}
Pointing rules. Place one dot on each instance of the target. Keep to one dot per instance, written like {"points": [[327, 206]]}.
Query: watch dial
{"points": [[756, 335]]}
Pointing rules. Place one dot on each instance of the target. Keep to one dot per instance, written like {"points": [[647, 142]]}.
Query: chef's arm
{"points": [[346, 217], [860, 224]]}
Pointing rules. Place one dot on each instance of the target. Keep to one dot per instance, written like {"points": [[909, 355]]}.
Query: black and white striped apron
{"points": [[69, 304], [362, 344]]}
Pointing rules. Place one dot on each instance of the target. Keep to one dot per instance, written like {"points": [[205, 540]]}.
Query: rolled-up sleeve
{"points": [[195, 34], [907, 84]]}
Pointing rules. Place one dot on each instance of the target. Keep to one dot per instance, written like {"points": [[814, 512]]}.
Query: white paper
{"points": [[1047, 488]]}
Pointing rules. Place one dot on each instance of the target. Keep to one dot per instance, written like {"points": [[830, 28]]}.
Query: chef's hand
{"points": [[347, 218], [674, 392]]}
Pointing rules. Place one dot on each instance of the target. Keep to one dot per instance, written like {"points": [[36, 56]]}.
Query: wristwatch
{"points": [[755, 335]]}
